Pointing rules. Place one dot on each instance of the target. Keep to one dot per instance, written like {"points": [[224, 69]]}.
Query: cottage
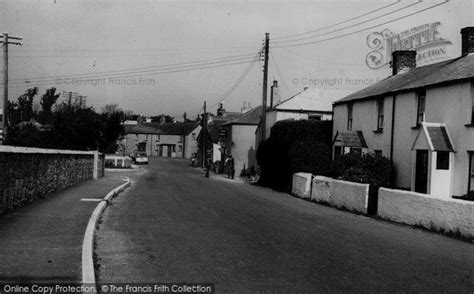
{"points": [[239, 139], [162, 139], [421, 118]]}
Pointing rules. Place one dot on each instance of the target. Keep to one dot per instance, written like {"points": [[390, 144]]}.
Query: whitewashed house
{"points": [[422, 118]]}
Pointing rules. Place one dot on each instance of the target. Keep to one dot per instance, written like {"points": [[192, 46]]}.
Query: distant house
{"points": [[422, 118], [162, 139], [239, 140], [214, 133], [311, 103]]}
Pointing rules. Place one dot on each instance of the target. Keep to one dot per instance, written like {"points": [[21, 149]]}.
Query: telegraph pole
{"points": [[263, 124], [204, 130], [5, 40]]}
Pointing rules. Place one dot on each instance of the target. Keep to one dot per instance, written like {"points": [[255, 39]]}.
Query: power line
{"points": [[153, 73], [239, 80], [279, 73], [336, 24], [353, 25], [361, 30], [165, 66]]}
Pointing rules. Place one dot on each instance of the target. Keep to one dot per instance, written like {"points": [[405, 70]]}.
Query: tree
{"points": [[77, 128], [48, 99], [25, 105], [112, 117]]}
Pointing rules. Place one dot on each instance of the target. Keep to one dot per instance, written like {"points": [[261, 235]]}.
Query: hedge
{"points": [[294, 146]]}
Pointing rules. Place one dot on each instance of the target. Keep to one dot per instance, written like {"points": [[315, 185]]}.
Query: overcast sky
{"points": [[111, 51]]}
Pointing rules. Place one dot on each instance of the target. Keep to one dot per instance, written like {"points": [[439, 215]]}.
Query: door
{"points": [[160, 150], [169, 150], [421, 174]]}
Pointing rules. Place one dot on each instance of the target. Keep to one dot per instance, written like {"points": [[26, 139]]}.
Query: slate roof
{"points": [[439, 138], [437, 135], [351, 139], [251, 117], [450, 71], [162, 129], [312, 99]]}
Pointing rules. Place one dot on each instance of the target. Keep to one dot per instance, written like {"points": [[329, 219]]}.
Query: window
{"points": [[378, 153], [157, 138], [380, 109], [193, 136], [420, 117], [173, 148], [349, 116], [357, 151], [442, 160], [314, 117], [180, 148]]}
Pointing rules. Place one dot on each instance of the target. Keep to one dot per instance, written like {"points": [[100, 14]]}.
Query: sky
{"points": [[154, 57]]}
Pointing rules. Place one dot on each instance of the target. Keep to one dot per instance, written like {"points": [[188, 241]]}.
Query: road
{"points": [[175, 225]]}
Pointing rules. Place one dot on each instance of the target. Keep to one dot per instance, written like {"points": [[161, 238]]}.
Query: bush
{"points": [[376, 171], [294, 146]]}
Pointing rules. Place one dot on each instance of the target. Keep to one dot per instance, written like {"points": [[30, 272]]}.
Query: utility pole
{"points": [[263, 124], [5, 40], [204, 129]]}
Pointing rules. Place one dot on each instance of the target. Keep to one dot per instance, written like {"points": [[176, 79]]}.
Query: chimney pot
{"points": [[403, 60], [467, 40]]}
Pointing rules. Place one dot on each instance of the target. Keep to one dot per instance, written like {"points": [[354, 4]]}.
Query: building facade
{"points": [[421, 118], [162, 140]]}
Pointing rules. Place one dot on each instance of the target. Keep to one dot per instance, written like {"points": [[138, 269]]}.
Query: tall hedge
{"points": [[294, 146]]}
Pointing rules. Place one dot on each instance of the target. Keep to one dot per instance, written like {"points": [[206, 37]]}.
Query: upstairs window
{"points": [[349, 116], [380, 114], [420, 117]]}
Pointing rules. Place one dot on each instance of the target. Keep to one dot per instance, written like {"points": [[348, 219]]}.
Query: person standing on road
{"points": [[230, 167], [208, 166]]}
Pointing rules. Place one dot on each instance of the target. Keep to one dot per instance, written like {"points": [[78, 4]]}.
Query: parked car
{"points": [[140, 157]]}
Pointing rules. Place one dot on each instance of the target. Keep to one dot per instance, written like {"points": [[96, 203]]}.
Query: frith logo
{"points": [[424, 39]]}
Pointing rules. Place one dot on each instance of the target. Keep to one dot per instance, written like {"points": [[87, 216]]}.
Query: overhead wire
{"points": [[142, 69], [339, 23], [364, 29], [353, 25], [239, 79]]}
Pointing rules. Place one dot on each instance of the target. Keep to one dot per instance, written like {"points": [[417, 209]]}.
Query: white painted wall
{"points": [[243, 146], [301, 185], [420, 209]]}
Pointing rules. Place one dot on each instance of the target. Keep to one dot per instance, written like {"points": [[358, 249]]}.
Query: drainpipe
{"points": [[392, 127]]}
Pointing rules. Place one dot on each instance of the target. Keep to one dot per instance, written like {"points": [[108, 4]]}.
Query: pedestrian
{"points": [[230, 167], [208, 166]]}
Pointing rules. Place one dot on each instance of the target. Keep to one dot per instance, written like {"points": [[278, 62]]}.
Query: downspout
{"points": [[392, 127]]}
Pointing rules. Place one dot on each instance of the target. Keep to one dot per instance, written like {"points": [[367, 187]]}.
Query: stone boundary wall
{"points": [[27, 174], [343, 194], [301, 185], [456, 216]]}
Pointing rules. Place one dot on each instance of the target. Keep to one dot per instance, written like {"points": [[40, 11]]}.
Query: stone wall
{"points": [[456, 216], [343, 194], [301, 185], [27, 174]]}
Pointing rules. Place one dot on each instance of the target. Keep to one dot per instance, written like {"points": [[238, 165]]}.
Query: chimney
{"points": [[403, 60], [467, 39], [220, 110], [274, 94]]}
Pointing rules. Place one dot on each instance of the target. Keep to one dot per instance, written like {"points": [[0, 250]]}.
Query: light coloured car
{"points": [[140, 158]]}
